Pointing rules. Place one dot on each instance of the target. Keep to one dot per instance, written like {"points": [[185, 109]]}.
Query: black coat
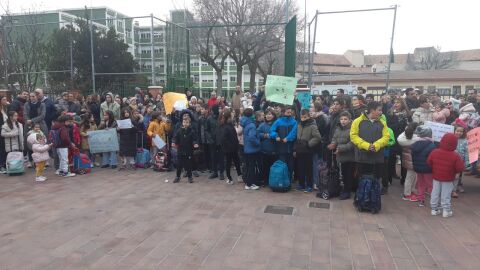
{"points": [[128, 137], [229, 138], [185, 139]]}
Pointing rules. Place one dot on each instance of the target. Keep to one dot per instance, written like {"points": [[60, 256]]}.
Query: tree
{"points": [[430, 58]]}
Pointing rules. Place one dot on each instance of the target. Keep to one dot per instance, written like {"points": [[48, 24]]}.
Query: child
{"points": [[35, 130], [185, 141], [40, 154], [445, 163], [128, 138], [88, 124], [229, 144], [251, 149], [308, 137], [462, 150], [109, 159], [405, 140], [284, 131], [62, 142], [259, 118], [269, 156], [345, 152], [420, 151], [12, 131], [160, 126]]}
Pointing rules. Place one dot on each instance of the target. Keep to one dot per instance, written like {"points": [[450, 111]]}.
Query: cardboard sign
{"points": [[305, 98], [124, 124], [473, 139], [159, 143], [280, 89], [103, 141], [438, 130], [170, 98]]}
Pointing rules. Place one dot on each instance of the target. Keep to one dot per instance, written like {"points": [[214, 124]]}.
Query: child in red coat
{"points": [[445, 163]]}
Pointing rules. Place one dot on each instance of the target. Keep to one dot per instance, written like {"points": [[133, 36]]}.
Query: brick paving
{"points": [[123, 220]]}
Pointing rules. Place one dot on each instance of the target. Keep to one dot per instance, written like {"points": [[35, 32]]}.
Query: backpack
{"points": [[14, 163], [368, 195], [279, 180], [160, 162], [82, 164], [54, 137], [329, 182]]}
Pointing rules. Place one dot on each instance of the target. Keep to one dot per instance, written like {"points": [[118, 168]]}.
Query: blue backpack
{"points": [[54, 137], [278, 179], [368, 195]]}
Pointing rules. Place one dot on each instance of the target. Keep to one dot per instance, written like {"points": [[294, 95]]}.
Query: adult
{"points": [[93, 107], [340, 92], [12, 132], [369, 133], [397, 120], [358, 106], [139, 95], [213, 99], [18, 105], [34, 113], [453, 112], [50, 111], [109, 105], [386, 103], [369, 98], [412, 101], [237, 99], [73, 105], [3, 119], [188, 93], [62, 102], [424, 112]]}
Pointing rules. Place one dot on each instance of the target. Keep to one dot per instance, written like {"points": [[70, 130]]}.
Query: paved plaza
{"points": [[135, 220]]}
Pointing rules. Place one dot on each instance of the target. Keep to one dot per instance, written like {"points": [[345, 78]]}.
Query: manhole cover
{"points": [[319, 205], [279, 210]]}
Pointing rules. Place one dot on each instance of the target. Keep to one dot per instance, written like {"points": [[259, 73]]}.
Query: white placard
{"points": [[159, 143], [124, 124], [438, 130]]}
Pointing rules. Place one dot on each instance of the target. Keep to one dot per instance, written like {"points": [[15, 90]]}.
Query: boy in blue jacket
{"points": [[251, 148], [284, 132]]}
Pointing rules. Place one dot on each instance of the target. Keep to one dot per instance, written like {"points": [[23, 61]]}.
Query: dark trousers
{"points": [[184, 162], [304, 169], [206, 162], [387, 177], [288, 159], [3, 153], [392, 165], [371, 169], [252, 173], [236, 160], [217, 157], [347, 173], [267, 162]]}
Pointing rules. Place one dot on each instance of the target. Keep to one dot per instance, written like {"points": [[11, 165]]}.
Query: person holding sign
{"points": [[461, 134], [109, 159], [158, 126], [128, 137]]}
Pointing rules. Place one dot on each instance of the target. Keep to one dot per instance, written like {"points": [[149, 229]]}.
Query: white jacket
{"points": [[13, 137], [422, 115]]}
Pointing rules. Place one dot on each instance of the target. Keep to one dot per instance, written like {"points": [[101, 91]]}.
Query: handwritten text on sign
{"points": [[438, 130], [280, 89], [102, 141], [473, 140]]}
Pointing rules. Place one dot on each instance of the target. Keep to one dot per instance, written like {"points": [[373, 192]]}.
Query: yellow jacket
{"points": [[360, 138], [159, 128]]}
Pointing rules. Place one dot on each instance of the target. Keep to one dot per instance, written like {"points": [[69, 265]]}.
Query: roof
{"points": [[340, 69], [467, 55], [331, 59], [405, 76], [370, 60]]}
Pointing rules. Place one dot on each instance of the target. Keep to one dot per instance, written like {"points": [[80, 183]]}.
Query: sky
{"points": [[449, 25]]}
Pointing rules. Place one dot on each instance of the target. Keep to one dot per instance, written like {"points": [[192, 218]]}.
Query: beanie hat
{"points": [[423, 132]]}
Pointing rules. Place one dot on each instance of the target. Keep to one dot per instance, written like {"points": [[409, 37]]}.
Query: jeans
{"points": [[252, 173], [236, 160], [424, 184], [315, 172], [410, 183], [304, 169], [109, 158], [441, 195], [63, 159]]}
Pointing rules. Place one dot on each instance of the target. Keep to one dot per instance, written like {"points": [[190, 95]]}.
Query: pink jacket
{"points": [[40, 151], [441, 116]]}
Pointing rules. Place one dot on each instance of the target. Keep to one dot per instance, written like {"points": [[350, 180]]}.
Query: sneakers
{"points": [[190, 180], [252, 187], [436, 212], [29, 164], [315, 187], [406, 197], [447, 214], [222, 177], [57, 172], [413, 198], [421, 203], [384, 190], [67, 174], [3, 170], [247, 187], [308, 190], [454, 194], [460, 189], [40, 178], [177, 179], [230, 181], [195, 173]]}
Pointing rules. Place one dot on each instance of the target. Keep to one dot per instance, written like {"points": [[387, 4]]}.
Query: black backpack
{"points": [[329, 183]]}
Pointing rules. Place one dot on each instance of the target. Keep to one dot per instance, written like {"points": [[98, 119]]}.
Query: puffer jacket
{"points": [[267, 144], [462, 150], [211, 129], [251, 139], [405, 143], [341, 138], [420, 151], [114, 107], [284, 127], [365, 132], [441, 116], [13, 137], [159, 128], [40, 151], [308, 137], [421, 115], [444, 161]]}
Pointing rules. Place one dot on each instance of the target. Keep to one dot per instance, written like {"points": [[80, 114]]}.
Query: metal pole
{"points": [[312, 53], [309, 59], [91, 53], [305, 42], [391, 49], [286, 10], [357, 10], [152, 48]]}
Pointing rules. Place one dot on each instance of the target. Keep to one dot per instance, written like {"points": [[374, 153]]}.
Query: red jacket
{"points": [[212, 101], [445, 162], [65, 141]]}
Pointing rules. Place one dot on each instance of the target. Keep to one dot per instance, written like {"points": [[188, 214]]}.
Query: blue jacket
{"points": [[267, 144], [284, 127], [251, 140], [420, 152]]}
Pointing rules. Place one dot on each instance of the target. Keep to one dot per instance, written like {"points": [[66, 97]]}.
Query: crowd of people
{"points": [[354, 133]]}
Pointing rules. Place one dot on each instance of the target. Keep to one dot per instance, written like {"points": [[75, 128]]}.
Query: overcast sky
{"points": [[420, 23]]}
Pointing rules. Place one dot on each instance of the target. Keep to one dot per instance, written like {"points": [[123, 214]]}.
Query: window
{"points": [[233, 79], [456, 89], [232, 63], [204, 64], [224, 80], [468, 87], [145, 35], [146, 51], [196, 78], [162, 67]]}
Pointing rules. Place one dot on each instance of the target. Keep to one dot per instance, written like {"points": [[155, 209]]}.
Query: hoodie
{"points": [[268, 145], [284, 127], [40, 150], [420, 150], [445, 162], [65, 141], [251, 140]]}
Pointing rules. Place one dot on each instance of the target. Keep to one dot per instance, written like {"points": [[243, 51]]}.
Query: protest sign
{"points": [[438, 130], [280, 89], [170, 98], [159, 143], [102, 141], [305, 97], [473, 140], [124, 124]]}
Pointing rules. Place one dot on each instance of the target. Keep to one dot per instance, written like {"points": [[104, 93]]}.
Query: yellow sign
{"points": [[170, 98]]}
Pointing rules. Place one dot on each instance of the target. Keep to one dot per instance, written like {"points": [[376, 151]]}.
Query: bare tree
{"points": [[430, 58]]}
